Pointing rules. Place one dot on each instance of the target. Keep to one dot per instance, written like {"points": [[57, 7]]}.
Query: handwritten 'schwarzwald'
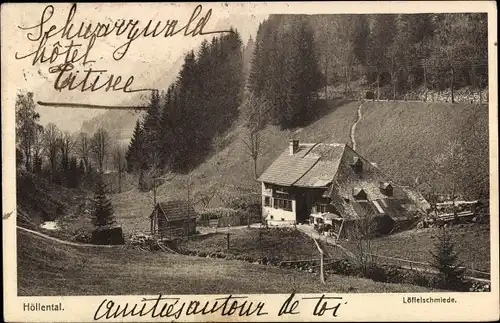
{"points": [[67, 45]]}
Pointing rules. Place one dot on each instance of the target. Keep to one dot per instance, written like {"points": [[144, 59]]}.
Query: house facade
{"points": [[331, 179]]}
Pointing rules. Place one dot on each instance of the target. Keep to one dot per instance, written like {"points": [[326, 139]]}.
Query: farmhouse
{"points": [[308, 180], [173, 219]]}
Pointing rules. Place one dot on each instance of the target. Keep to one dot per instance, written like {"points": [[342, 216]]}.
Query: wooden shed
{"points": [[172, 219]]}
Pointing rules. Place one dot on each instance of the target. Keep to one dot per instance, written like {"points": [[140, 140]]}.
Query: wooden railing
{"points": [[425, 266]]}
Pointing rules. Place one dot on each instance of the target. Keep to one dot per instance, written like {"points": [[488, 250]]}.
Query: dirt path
{"points": [[69, 243], [353, 128]]}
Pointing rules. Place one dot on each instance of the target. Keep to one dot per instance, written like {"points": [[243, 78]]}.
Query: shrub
{"points": [[369, 95], [376, 273], [250, 203]]}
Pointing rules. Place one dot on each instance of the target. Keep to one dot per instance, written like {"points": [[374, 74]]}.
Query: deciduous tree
{"points": [[100, 145], [26, 126]]}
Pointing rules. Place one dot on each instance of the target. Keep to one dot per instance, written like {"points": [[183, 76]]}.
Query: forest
{"points": [[279, 77]]}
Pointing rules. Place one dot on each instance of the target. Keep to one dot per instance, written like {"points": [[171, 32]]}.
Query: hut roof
{"points": [[175, 210]]}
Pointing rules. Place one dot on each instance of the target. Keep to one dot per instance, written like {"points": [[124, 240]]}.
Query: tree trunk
{"points": [[425, 84], [394, 91], [255, 168], [452, 85], [378, 85], [120, 181], [326, 75]]}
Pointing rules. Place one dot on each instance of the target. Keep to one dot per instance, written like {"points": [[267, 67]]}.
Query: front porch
{"points": [[292, 205]]}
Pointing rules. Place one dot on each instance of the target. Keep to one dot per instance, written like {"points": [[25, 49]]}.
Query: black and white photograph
{"points": [[219, 149]]}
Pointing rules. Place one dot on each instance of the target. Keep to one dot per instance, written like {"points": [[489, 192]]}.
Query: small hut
{"points": [[172, 219]]}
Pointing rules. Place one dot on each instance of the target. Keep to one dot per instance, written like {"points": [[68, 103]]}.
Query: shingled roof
{"points": [[175, 210], [312, 165]]}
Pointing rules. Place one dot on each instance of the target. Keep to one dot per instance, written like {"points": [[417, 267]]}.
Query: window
{"points": [[267, 201], [322, 208], [283, 204]]}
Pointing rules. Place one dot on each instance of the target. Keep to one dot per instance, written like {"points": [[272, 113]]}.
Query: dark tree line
{"points": [[296, 55], [436, 51], [179, 126], [284, 69]]}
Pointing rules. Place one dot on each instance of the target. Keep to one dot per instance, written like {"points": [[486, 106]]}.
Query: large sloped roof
{"points": [[312, 165]]}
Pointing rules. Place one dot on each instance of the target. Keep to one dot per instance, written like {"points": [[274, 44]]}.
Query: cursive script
{"points": [[174, 308], [63, 46]]}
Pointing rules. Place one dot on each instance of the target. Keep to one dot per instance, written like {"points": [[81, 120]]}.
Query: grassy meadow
{"points": [[48, 268]]}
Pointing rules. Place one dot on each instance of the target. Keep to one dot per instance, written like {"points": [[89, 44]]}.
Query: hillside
{"points": [[402, 138], [48, 268], [119, 123], [408, 139]]}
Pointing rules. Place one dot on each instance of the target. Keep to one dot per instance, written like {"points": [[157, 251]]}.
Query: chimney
{"points": [[294, 146]]}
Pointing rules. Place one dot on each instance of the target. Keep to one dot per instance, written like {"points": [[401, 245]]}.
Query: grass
{"points": [[404, 139], [472, 242], [48, 268], [278, 244]]}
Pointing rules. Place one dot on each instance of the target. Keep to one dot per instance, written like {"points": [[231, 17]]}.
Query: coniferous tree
{"points": [[152, 128], [445, 260], [203, 101], [102, 213], [285, 70], [135, 151]]}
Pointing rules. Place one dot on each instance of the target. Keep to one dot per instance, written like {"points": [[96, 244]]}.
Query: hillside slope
{"points": [[48, 268], [402, 138], [407, 140]]}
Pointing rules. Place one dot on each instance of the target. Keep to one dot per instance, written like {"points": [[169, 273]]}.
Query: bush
{"points": [[227, 216], [108, 236], [249, 203], [369, 95], [376, 273]]}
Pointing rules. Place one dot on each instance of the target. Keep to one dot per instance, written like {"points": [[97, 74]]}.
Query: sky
{"points": [[148, 59]]}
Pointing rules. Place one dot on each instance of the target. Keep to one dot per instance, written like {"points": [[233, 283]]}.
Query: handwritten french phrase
{"points": [[241, 306]]}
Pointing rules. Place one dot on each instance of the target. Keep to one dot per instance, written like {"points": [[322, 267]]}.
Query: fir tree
{"points": [[135, 151], [152, 128], [102, 213], [445, 260]]}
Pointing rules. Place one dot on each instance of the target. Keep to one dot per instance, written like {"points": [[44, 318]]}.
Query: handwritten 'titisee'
{"points": [[74, 44]]}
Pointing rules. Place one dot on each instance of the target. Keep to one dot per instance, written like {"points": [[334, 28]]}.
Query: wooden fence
{"points": [[426, 267], [398, 262]]}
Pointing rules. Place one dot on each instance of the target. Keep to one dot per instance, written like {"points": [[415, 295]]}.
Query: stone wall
{"points": [[463, 95]]}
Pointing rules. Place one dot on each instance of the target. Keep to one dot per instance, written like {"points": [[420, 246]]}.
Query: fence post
{"points": [[322, 274]]}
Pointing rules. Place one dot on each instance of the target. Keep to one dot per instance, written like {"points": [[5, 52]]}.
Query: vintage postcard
{"points": [[209, 162]]}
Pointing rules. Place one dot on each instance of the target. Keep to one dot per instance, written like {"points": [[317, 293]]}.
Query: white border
{"points": [[362, 307]]}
